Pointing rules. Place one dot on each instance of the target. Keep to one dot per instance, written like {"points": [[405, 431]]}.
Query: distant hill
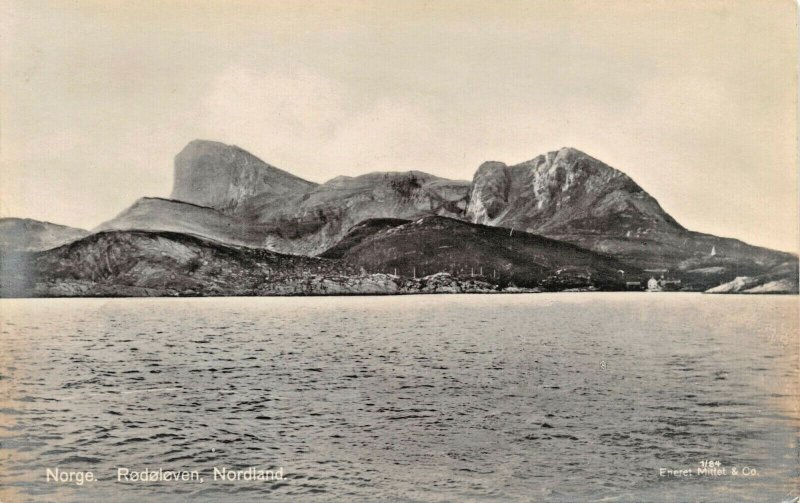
{"points": [[24, 234]]}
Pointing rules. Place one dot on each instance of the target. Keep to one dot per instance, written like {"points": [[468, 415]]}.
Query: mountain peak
{"points": [[489, 165], [209, 150], [201, 142], [570, 152], [563, 156], [220, 176], [201, 147]]}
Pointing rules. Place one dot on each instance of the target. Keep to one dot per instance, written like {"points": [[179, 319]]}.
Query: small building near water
{"points": [[633, 285], [663, 284]]}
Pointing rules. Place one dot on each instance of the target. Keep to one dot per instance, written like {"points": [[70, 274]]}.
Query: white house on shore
{"points": [[653, 285]]}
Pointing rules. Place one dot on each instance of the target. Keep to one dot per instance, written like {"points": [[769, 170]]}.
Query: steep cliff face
{"points": [[24, 234], [223, 193], [223, 177]]}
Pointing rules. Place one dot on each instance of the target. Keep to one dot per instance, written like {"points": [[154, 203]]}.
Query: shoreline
{"points": [[395, 294]]}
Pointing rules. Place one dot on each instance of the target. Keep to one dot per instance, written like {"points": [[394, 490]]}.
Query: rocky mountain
{"points": [[224, 195], [570, 196], [24, 234], [219, 176], [562, 192], [322, 216], [437, 244], [238, 199]]}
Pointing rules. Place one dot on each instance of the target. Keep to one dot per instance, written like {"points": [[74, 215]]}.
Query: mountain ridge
{"points": [[227, 195]]}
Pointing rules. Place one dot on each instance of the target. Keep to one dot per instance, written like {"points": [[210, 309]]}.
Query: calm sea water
{"points": [[562, 397]]}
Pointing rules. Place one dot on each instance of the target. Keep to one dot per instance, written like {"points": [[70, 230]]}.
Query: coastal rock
{"points": [[778, 286], [443, 282], [780, 279]]}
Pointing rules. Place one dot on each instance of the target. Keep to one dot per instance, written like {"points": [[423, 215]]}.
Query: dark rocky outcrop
{"points": [[494, 255]]}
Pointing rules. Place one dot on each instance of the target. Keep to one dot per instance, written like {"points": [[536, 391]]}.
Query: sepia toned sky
{"points": [[696, 100]]}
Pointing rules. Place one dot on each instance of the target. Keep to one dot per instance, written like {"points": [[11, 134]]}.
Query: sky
{"points": [[696, 100]]}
